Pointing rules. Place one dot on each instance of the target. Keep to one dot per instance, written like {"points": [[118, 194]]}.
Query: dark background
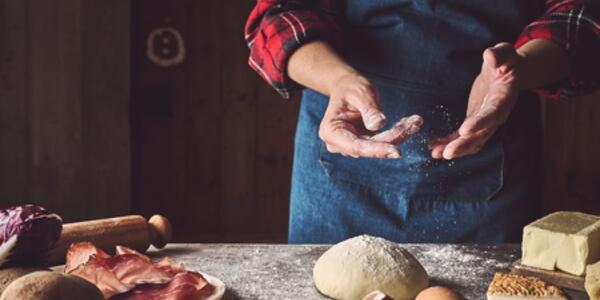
{"points": [[90, 127]]}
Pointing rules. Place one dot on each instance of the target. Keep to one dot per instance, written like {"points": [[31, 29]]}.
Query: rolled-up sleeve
{"points": [[275, 29], [575, 26]]}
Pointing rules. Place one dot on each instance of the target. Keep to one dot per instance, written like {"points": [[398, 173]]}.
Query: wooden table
{"points": [[277, 272]]}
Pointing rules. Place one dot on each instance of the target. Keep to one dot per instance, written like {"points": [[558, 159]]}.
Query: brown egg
{"points": [[439, 293]]}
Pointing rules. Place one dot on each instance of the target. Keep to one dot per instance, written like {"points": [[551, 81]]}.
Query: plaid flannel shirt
{"points": [[276, 28]]}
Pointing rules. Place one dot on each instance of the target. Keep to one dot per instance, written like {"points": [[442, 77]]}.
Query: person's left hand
{"points": [[493, 95]]}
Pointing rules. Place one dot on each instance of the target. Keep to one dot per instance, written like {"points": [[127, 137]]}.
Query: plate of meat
{"points": [[130, 275], [219, 287]]}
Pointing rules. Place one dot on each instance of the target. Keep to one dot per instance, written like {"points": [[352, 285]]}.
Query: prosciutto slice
{"points": [[80, 253], [169, 266], [131, 274], [185, 285], [124, 250], [106, 281]]}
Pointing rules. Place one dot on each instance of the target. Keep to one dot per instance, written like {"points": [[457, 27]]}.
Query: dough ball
{"points": [[353, 268], [47, 285], [9, 275], [439, 293]]}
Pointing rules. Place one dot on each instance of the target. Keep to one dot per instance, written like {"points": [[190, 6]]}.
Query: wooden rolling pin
{"points": [[130, 231]]}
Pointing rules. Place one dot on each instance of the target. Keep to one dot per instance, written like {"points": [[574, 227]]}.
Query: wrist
{"points": [[316, 65], [521, 67], [337, 74], [541, 62]]}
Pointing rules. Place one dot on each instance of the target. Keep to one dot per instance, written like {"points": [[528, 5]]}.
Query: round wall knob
{"points": [[165, 47]]}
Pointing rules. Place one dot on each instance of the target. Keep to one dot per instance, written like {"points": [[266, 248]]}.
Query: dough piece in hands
{"points": [[355, 267], [48, 285]]}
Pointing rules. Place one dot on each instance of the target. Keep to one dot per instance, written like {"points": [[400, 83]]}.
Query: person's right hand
{"points": [[354, 116]]}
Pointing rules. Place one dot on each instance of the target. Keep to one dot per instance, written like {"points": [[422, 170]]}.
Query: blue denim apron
{"points": [[422, 56]]}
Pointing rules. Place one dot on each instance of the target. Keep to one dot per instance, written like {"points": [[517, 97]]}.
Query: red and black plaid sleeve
{"points": [[276, 28], [575, 26]]}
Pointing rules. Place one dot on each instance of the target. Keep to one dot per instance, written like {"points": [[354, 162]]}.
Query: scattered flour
{"points": [[452, 264]]}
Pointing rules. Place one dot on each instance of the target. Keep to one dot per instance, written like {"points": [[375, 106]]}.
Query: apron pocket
{"points": [[473, 178], [416, 176]]}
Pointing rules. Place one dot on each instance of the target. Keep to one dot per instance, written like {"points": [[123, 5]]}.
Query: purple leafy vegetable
{"points": [[27, 234]]}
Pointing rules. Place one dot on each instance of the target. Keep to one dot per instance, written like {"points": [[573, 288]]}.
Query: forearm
{"points": [[317, 66], [542, 62]]}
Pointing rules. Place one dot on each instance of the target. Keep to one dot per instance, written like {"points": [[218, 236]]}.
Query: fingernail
{"points": [[374, 120], [393, 155], [415, 119], [448, 156]]}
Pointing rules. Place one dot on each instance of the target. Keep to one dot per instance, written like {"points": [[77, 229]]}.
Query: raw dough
{"points": [[47, 285], [355, 267]]}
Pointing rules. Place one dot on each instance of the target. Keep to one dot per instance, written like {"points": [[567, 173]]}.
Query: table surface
{"points": [[274, 272]]}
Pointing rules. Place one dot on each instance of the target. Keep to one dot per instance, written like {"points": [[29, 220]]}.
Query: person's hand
{"points": [[354, 116], [492, 98]]}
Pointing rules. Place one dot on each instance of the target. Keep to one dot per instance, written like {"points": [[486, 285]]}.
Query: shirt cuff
{"points": [[282, 34], [580, 39]]}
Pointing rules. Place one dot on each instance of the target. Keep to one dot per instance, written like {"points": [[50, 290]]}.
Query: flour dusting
{"points": [[460, 263], [382, 256], [265, 272]]}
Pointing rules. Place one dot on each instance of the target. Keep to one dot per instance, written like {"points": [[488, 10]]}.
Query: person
{"points": [[417, 121]]}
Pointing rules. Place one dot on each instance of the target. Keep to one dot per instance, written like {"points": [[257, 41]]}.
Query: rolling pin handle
{"points": [[160, 231]]}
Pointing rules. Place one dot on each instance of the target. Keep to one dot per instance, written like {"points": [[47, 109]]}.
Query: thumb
{"points": [[502, 56], [370, 110]]}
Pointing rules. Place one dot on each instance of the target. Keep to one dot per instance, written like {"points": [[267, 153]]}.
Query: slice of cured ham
{"points": [[169, 266], [132, 274], [106, 281], [120, 273], [184, 286], [124, 250], [80, 253]]}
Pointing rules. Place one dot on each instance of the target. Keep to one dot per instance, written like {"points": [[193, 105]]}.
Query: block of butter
{"points": [[592, 281], [567, 241]]}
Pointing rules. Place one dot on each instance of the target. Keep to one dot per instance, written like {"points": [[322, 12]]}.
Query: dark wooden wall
{"points": [[213, 143], [64, 106], [91, 127], [572, 155]]}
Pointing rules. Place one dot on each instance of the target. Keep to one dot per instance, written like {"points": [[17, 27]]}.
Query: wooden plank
{"points": [[106, 153], [276, 120], [155, 163], [238, 123], [56, 136], [79, 70], [203, 118], [557, 278], [572, 174], [14, 119], [177, 119]]}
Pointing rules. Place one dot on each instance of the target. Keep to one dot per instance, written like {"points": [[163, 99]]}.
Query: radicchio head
{"points": [[27, 234]]}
